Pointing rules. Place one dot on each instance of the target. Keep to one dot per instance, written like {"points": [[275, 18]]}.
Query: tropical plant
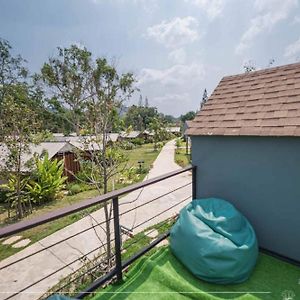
{"points": [[129, 176], [47, 180], [16, 196]]}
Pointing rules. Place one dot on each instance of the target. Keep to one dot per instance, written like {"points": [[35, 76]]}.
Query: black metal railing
{"points": [[114, 197]]}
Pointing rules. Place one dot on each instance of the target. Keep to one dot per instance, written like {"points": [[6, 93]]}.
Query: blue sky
{"points": [[176, 48]]}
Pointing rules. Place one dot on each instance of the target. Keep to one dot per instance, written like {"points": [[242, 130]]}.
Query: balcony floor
{"points": [[162, 276]]}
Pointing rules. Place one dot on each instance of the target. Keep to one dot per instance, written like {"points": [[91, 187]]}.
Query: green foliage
{"points": [[127, 145], [74, 189], [16, 196], [140, 117], [160, 133], [138, 141], [129, 176], [47, 181], [89, 173], [188, 116], [68, 76]]}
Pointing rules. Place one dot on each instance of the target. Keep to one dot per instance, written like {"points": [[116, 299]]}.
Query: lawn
{"points": [[162, 276], [145, 152], [181, 158]]}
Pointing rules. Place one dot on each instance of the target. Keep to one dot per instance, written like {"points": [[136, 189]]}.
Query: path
{"points": [[24, 273]]}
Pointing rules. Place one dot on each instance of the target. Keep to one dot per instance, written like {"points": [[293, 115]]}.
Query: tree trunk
{"points": [[18, 188]]}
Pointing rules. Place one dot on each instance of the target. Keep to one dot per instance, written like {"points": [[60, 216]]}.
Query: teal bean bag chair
{"points": [[214, 241]]}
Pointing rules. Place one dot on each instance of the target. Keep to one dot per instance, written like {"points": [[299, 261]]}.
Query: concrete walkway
{"points": [[33, 269]]}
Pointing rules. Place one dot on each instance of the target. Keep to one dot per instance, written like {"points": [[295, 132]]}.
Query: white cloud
{"points": [[176, 33], [169, 103], [296, 20], [212, 8], [270, 12], [292, 50], [178, 56], [173, 89], [177, 75]]}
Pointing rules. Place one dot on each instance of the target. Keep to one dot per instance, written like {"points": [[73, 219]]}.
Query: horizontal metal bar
{"points": [[150, 201], [162, 212], [65, 211]]}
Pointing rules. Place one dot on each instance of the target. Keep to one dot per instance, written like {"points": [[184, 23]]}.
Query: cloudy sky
{"points": [[176, 48]]}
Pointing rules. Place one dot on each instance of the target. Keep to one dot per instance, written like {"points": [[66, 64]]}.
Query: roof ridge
{"points": [[262, 71]]}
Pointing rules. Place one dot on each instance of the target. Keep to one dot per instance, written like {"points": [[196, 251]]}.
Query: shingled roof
{"points": [[260, 103]]}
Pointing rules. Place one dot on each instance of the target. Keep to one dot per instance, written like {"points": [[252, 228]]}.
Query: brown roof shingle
{"points": [[264, 103]]}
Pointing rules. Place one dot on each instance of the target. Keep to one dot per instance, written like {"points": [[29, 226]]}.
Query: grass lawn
{"points": [[181, 158], [145, 152], [162, 276]]}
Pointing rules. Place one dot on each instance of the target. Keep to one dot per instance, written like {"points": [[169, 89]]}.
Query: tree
{"points": [[159, 131], [140, 117], [140, 101], [12, 69], [65, 77], [18, 123], [204, 99], [94, 91], [188, 116]]}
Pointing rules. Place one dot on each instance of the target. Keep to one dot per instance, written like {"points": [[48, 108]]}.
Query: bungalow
{"points": [[174, 130], [56, 150], [246, 143], [129, 136]]}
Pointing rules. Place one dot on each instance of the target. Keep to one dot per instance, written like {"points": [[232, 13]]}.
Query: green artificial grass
{"points": [[162, 276]]}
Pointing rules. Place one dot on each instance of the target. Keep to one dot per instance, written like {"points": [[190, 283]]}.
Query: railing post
{"points": [[115, 201], [194, 182]]}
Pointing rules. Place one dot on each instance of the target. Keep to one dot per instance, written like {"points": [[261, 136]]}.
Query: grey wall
{"points": [[261, 177]]}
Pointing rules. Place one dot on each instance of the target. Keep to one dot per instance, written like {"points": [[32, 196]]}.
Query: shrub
{"points": [[74, 189], [47, 180], [160, 145], [138, 141], [127, 146], [3, 196], [129, 176]]}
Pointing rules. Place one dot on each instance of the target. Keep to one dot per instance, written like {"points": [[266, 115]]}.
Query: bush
{"points": [[74, 189], [47, 180], [127, 146], [138, 141], [160, 144], [3, 196]]}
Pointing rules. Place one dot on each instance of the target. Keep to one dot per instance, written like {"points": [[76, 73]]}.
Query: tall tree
{"points": [[141, 101], [158, 128], [66, 78], [18, 124], [188, 116], [140, 117], [146, 102], [204, 98], [18, 119], [12, 69]]}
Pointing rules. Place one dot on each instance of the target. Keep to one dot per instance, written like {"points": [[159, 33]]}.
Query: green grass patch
{"points": [[162, 276], [181, 158]]}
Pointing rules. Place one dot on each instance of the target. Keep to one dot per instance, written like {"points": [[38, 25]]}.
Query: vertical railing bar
{"points": [[117, 238], [194, 182]]}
